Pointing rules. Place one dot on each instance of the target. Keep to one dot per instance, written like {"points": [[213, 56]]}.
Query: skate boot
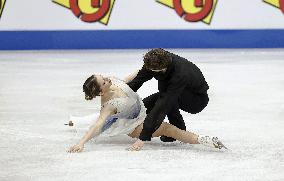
{"points": [[210, 141], [70, 123], [167, 139]]}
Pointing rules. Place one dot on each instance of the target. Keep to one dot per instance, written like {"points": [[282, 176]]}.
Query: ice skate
{"points": [[209, 141], [167, 139], [70, 123]]}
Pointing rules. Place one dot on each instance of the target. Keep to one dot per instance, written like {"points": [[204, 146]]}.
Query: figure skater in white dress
{"points": [[122, 112]]}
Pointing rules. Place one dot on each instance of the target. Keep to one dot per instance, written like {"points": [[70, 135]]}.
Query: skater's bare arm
{"points": [[94, 129], [130, 77]]}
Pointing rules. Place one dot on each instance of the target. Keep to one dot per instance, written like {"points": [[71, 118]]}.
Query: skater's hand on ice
{"points": [[136, 146], [76, 148]]}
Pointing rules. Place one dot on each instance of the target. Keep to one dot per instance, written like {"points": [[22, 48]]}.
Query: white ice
{"points": [[39, 90]]}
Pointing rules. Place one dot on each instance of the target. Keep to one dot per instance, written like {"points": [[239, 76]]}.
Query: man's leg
{"points": [[175, 118], [150, 101], [189, 102], [192, 102], [174, 115]]}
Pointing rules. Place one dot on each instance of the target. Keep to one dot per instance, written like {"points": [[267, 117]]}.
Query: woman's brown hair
{"points": [[91, 88]]}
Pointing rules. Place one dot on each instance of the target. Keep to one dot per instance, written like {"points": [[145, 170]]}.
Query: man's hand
{"points": [[136, 146], [76, 148], [130, 77]]}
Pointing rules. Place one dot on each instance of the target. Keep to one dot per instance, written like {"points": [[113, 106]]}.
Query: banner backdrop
{"points": [[80, 24]]}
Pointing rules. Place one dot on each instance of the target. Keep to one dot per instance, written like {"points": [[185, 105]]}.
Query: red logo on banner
{"points": [[194, 17], [89, 10], [104, 7], [282, 5], [192, 10]]}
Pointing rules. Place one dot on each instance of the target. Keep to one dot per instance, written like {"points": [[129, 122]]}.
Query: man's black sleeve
{"points": [[163, 105], [143, 76]]}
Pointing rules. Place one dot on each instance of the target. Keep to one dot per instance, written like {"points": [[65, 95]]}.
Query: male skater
{"points": [[181, 85]]}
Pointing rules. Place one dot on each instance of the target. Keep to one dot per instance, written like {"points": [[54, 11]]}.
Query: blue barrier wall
{"points": [[139, 39]]}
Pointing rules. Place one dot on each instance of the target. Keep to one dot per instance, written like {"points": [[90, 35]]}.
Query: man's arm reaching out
{"points": [[130, 77], [138, 78]]}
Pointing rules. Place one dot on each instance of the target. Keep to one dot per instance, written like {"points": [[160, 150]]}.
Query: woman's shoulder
{"points": [[114, 101], [108, 109], [124, 87], [119, 103]]}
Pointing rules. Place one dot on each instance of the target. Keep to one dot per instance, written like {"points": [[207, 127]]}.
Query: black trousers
{"points": [[189, 102]]}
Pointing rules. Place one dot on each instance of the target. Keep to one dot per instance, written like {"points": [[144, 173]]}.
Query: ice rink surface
{"points": [[39, 90]]}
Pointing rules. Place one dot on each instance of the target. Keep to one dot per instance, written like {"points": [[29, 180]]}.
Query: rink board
{"points": [[140, 39], [136, 24]]}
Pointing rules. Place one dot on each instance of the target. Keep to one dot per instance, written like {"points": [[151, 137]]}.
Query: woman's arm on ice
{"points": [[94, 129]]}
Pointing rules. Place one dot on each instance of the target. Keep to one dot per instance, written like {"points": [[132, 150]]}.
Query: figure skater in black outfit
{"points": [[181, 85]]}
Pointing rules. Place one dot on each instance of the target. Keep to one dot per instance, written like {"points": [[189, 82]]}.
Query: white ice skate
{"points": [[211, 142], [82, 121]]}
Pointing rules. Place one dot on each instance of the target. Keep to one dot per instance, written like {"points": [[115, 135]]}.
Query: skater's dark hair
{"points": [[91, 88], [157, 59]]}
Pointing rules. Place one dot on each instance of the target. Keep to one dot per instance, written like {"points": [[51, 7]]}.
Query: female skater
{"points": [[122, 112]]}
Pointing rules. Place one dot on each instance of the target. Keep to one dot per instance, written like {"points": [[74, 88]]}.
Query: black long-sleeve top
{"points": [[181, 75]]}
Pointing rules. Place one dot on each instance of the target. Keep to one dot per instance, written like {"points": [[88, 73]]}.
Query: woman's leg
{"points": [[169, 130]]}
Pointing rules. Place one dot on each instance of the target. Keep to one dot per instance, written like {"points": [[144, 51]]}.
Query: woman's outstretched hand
{"points": [[136, 146], [76, 148]]}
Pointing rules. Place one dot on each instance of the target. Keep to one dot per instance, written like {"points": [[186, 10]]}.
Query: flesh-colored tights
{"points": [[169, 130]]}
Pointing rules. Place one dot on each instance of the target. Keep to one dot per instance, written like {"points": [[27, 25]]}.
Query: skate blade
{"points": [[221, 145], [69, 124]]}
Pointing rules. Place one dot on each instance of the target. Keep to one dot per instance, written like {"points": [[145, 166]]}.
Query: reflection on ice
{"points": [[39, 90]]}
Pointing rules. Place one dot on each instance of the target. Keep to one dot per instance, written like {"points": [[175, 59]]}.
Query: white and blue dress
{"points": [[130, 112]]}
